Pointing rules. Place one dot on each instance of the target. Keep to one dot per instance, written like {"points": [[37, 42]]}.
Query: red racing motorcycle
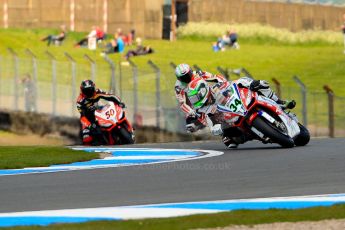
{"points": [[262, 118], [114, 128]]}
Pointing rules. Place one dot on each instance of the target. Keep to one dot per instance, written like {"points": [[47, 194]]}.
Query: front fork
{"points": [[267, 117]]}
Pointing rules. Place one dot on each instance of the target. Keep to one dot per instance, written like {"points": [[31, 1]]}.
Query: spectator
{"points": [[128, 40], [29, 93], [56, 39], [228, 39], [100, 35], [233, 39], [140, 50], [119, 32], [120, 43], [81, 43], [215, 47], [132, 36], [94, 35], [116, 45]]}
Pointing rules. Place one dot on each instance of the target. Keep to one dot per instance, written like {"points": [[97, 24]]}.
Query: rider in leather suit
{"points": [[86, 105], [185, 75]]}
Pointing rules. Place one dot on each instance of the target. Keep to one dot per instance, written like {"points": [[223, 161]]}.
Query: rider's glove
{"points": [[191, 128], [92, 126], [122, 105], [91, 108], [199, 72], [192, 113], [216, 130]]}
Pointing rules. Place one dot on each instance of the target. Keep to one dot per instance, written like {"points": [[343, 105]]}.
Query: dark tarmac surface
{"points": [[252, 171]]}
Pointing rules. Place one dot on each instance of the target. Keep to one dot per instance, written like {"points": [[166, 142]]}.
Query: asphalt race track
{"points": [[252, 171]]}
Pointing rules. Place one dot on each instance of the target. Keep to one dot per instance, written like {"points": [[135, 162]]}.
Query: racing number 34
{"points": [[234, 105]]}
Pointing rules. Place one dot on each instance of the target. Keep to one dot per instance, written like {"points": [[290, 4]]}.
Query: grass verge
{"points": [[260, 34], [316, 60], [14, 139], [20, 157], [240, 217]]}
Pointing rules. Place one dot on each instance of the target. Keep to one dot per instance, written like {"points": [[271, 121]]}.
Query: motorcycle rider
{"points": [[87, 104], [185, 75], [204, 100]]}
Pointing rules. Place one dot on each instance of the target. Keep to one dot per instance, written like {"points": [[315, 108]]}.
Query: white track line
{"points": [[207, 154]]}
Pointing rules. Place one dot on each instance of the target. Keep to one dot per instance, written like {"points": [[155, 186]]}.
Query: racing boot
{"points": [[230, 144], [288, 104], [87, 137]]}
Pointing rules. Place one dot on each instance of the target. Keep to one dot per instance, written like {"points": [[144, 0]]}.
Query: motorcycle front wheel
{"points": [[303, 137], [273, 133], [125, 136]]}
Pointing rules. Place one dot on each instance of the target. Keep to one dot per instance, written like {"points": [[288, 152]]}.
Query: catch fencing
{"points": [[51, 86]]}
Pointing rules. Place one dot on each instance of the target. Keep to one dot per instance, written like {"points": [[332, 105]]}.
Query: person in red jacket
{"points": [[86, 105]]}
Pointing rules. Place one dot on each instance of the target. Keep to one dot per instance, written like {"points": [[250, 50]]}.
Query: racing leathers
{"points": [[181, 87], [220, 123], [260, 86], [86, 107]]}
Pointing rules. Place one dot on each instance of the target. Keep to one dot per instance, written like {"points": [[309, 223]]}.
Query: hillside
{"points": [[315, 63]]}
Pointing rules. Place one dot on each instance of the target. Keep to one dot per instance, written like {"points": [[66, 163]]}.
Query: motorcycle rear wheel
{"points": [[273, 133]]}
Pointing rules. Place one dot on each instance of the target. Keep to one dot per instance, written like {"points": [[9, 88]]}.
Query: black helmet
{"points": [[88, 88]]}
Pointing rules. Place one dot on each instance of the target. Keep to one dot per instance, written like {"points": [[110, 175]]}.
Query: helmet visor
{"points": [[88, 92], [186, 78]]}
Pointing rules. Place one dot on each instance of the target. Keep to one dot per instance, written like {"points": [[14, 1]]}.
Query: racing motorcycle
{"points": [[114, 128], [261, 118]]}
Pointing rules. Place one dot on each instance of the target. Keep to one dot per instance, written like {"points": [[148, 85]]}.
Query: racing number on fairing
{"points": [[234, 105], [109, 113]]}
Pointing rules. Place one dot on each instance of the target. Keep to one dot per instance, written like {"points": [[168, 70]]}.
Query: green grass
{"points": [[316, 61], [20, 157], [240, 217], [315, 64], [258, 33], [21, 39]]}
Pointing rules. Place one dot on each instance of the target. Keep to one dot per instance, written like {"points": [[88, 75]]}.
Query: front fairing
{"points": [[233, 104], [290, 122], [107, 115]]}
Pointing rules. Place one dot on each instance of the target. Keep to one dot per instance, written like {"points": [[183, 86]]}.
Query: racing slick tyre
{"points": [[303, 138], [273, 133], [125, 136]]}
